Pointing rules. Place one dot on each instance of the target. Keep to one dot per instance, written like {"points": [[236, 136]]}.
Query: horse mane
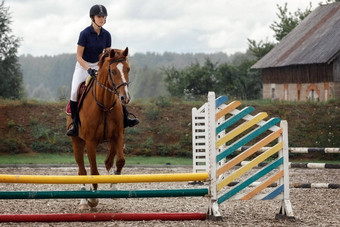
{"points": [[102, 57]]}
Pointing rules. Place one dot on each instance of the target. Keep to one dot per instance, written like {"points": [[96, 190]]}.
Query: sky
{"points": [[51, 27]]}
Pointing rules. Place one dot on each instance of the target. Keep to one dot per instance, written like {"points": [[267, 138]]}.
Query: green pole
{"points": [[103, 194]]}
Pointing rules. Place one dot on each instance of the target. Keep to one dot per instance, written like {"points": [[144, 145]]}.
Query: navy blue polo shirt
{"points": [[93, 43]]}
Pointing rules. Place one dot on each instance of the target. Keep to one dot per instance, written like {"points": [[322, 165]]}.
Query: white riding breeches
{"points": [[80, 74]]}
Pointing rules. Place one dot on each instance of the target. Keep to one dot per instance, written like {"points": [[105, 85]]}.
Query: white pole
{"points": [[213, 205], [286, 206], [193, 117]]}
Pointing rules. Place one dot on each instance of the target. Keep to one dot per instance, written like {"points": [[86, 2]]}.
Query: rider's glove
{"points": [[92, 72]]}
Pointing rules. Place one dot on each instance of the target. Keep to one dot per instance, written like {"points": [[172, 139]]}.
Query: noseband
{"points": [[114, 89]]}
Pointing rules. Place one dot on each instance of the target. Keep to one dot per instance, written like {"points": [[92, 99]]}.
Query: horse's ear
{"points": [[126, 52], [112, 53]]}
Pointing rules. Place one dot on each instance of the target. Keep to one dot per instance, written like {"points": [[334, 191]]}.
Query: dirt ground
{"points": [[312, 207]]}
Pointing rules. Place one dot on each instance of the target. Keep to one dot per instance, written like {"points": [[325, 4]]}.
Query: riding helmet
{"points": [[98, 10]]}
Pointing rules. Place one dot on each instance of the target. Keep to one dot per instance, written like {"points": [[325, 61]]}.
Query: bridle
{"points": [[114, 89]]}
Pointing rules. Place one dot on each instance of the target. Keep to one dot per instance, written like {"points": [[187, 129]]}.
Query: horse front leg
{"points": [[78, 151], [120, 160], [91, 150]]}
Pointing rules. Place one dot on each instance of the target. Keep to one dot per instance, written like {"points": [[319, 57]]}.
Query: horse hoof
{"points": [[84, 207], [92, 202]]}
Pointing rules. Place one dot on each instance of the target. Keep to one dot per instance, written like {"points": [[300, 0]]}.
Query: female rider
{"points": [[92, 41]]}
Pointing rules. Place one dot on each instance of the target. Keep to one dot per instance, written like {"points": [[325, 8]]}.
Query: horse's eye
{"points": [[113, 71]]}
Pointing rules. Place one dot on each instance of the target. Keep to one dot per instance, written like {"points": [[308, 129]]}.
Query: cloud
{"points": [[51, 27]]}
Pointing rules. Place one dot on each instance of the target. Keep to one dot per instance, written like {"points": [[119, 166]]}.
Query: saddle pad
{"points": [[80, 95], [68, 108]]}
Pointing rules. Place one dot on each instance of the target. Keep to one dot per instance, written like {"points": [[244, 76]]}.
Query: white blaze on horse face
{"points": [[120, 68]]}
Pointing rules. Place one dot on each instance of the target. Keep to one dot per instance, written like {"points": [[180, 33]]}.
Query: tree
{"points": [[259, 49], [235, 81], [288, 21], [11, 79], [249, 81], [192, 81]]}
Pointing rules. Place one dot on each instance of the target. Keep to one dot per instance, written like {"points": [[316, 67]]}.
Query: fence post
{"points": [[213, 212], [286, 210]]}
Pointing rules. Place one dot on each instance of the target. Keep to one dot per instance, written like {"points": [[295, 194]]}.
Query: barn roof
{"points": [[315, 40]]}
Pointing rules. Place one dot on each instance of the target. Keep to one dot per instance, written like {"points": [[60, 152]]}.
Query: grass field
{"points": [[69, 159]]}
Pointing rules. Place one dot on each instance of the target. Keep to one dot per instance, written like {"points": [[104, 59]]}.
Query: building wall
{"points": [[337, 89], [302, 91], [336, 69], [314, 73]]}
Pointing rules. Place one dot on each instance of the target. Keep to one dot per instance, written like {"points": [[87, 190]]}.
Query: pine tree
{"points": [[11, 78]]}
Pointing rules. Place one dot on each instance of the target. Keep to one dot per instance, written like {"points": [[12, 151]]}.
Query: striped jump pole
{"points": [[300, 165], [315, 185], [310, 150], [302, 150], [293, 185]]}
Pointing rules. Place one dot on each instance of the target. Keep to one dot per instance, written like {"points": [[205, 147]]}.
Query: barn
{"points": [[305, 65]]}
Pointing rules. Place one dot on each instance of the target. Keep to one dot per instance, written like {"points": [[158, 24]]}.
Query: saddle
{"points": [[82, 91]]}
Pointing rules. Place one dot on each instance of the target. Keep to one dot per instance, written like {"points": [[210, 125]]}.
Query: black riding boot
{"points": [[128, 122], [73, 127]]}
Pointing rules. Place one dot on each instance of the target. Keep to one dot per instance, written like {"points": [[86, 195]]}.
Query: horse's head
{"points": [[114, 63]]}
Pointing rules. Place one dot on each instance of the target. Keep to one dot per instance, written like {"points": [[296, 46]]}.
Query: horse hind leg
{"points": [[109, 160], [116, 149]]}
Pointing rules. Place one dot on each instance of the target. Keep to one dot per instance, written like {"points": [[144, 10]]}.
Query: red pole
{"points": [[100, 217]]}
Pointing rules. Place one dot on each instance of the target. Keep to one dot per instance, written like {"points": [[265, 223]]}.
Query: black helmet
{"points": [[98, 10]]}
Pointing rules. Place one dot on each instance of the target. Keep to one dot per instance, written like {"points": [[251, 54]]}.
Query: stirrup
{"points": [[72, 131], [132, 115], [131, 122]]}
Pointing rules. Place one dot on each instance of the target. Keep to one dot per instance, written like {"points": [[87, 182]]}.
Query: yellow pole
{"points": [[43, 179]]}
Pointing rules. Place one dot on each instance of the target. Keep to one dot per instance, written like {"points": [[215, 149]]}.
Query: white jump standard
{"points": [[214, 141]]}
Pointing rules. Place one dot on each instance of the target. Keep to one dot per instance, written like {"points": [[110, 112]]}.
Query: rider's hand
{"points": [[92, 72]]}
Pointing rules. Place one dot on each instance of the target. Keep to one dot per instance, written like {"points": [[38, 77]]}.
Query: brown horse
{"points": [[101, 116]]}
